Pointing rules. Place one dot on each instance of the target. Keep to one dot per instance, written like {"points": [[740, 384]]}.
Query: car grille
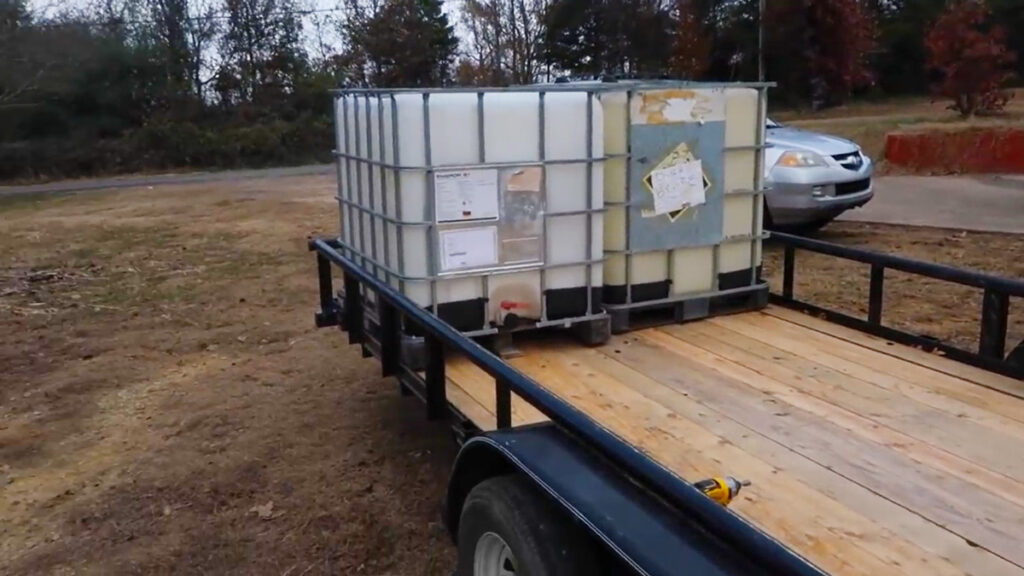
{"points": [[854, 187], [851, 161]]}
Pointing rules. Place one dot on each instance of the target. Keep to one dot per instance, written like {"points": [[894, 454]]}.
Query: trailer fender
{"points": [[631, 523]]}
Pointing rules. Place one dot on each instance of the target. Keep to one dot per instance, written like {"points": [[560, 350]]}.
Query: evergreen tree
{"points": [[262, 51], [408, 43], [617, 37]]}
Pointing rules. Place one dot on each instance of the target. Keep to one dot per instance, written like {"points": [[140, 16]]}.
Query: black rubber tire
{"points": [[766, 216], [543, 541]]}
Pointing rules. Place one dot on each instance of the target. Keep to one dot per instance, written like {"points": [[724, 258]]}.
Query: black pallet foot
{"points": [[593, 332], [413, 352], [627, 319], [644, 315]]}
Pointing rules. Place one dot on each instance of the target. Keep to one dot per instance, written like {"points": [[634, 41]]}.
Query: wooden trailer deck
{"points": [[866, 457]]}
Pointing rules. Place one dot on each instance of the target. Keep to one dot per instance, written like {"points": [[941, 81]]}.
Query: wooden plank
{"points": [[480, 386], [480, 416], [885, 380], [833, 536], [737, 359], [921, 532], [957, 433], [979, 516], [869, 365], [920, 357]]}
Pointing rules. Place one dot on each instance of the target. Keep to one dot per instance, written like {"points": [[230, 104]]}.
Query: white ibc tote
{"points": [[484, 206], [692, 246]]}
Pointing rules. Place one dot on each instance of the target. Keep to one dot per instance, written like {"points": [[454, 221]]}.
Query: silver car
{"points": [[812, 178]]}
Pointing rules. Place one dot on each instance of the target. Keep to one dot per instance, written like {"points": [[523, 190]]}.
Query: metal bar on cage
{"points": [[432, 242], [542, 155], [369, 181], [397, 175], [627, 216], [758, 201], [589, 245], [481, 153], [497, 165], [382, 152]]}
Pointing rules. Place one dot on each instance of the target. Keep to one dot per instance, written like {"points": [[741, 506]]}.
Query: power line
{"points": [[201, 18]]}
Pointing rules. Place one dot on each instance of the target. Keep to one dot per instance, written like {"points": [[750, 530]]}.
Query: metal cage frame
{"points": [[360, 203]]}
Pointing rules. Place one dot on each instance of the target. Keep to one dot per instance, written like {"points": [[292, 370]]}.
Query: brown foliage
{"points": [[821, 47], [972, 58], [691, 47]]}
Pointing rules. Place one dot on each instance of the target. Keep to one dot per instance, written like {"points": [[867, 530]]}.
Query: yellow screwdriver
{"points": [[721, 489]]}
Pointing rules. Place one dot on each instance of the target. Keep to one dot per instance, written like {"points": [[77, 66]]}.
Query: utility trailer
{"points": [[871, 450]]}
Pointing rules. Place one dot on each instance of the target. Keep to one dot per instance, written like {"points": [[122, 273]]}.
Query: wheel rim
{"points": [[493, 557]]}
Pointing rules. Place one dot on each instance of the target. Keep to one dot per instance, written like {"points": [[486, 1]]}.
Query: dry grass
{"points": [[163, 384], [867, 123], [162, 379]]}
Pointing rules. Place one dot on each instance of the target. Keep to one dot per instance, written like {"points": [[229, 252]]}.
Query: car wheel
{"points": [[766, 216]]}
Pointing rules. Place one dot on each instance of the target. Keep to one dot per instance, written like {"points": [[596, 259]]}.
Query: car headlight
{"points": [[801, 159]]}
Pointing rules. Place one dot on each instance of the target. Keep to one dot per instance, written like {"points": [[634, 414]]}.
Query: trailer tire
{"points": [[534, 538]]}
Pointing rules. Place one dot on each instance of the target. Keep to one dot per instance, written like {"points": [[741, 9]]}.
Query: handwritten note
{"points": [[678, 186]]}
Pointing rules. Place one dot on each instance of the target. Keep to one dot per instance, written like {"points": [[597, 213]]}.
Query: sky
{"points": [[320, 27], [315, 25]]}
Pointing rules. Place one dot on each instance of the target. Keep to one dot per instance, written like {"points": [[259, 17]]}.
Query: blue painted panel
{"points": [[702, 226]]}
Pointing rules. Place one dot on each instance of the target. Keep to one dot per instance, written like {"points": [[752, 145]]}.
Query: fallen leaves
{"points": [[264, 511]]}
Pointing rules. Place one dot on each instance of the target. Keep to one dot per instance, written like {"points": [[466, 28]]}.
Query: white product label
{"points": [[678, 186], [466, 248], [465, 195]]}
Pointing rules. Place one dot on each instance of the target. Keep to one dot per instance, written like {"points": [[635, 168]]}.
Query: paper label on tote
{"points": [[466, 248], [466, 195], [678, 186]]}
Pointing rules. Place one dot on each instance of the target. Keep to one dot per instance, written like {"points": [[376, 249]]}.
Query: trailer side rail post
{"points": [[995, 311], [353, 310], [502, 404], [390, 337], [875, 294], [437, 397], [994, 321], [789, 269], [329, 314]]}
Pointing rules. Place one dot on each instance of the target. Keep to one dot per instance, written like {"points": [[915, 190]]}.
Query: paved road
{"points": [[993, 203], [986, 203], [70, 186]]}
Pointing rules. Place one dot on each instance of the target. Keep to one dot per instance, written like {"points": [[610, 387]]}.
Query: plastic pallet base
{"points": [[626, 318], [588, 332], [412, 352]]}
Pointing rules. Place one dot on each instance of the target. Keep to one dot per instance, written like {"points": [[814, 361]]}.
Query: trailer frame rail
{"points": [[994, 320], [393, 310]]}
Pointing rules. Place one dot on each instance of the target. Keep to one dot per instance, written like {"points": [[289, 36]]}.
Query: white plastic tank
{"points": [[701, 245], [476, 204]]}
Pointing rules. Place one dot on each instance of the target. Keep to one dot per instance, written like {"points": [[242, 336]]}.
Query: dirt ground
{"points": [[167, 406]]}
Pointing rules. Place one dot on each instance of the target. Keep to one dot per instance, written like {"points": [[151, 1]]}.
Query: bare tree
{"points": [[502, 41], [200, 34], [14, 58], [261, 47]]}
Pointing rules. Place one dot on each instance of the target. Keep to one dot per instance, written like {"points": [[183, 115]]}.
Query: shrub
{"points": [[971, 57]]}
